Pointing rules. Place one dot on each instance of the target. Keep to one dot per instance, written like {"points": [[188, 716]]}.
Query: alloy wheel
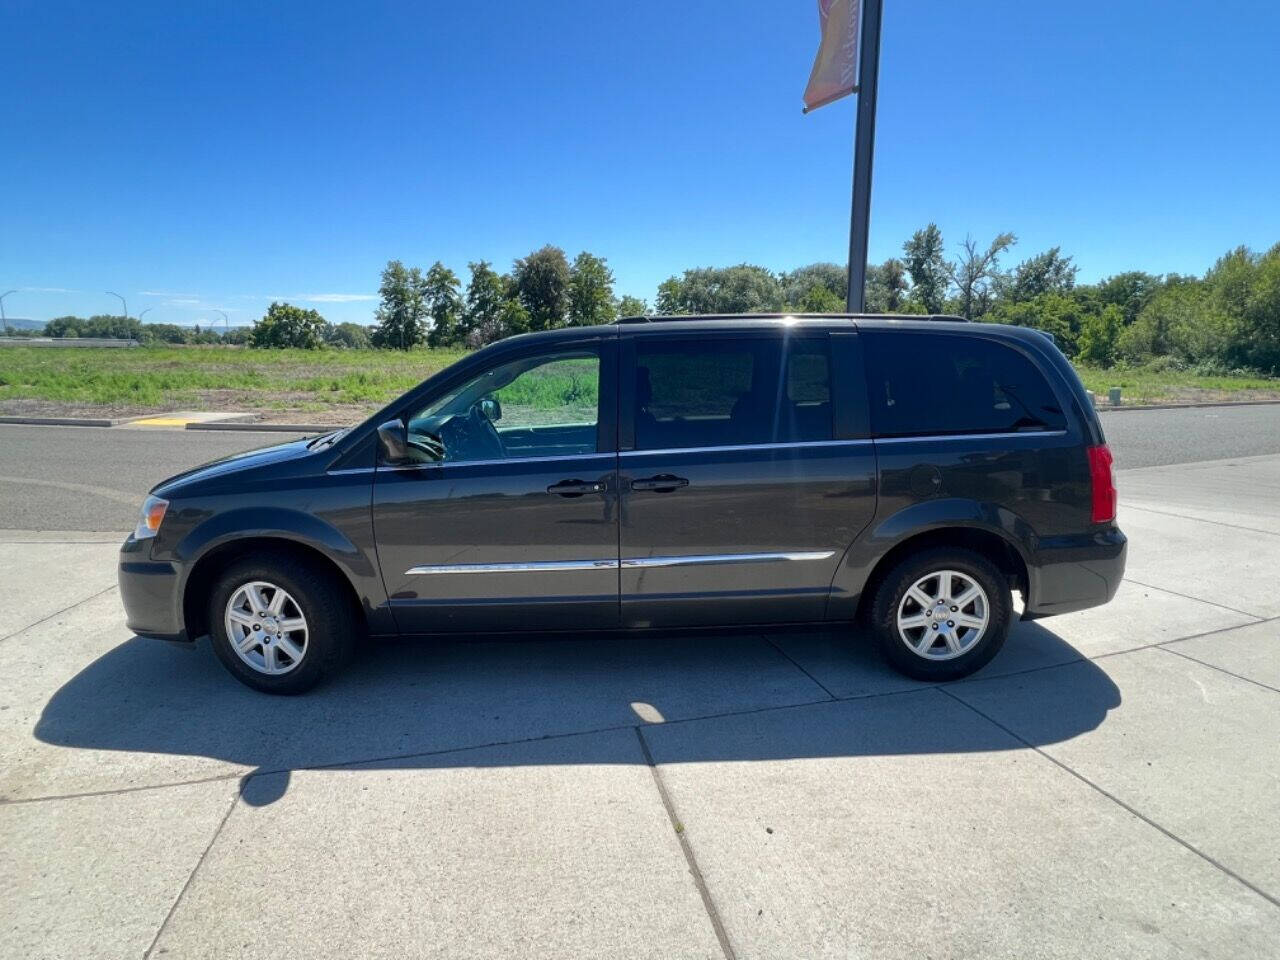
{"points": [[943, 615], [266, 627]]}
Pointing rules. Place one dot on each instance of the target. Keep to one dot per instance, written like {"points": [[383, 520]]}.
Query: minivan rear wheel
{"points": [[279, 625], [941, 614]]}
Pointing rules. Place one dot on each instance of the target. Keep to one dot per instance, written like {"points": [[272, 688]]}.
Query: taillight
{"points": [[1104, 484]]}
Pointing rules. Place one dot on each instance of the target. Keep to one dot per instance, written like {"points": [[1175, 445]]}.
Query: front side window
{"points": [[731, 391], [530, 407], [924, 384]]}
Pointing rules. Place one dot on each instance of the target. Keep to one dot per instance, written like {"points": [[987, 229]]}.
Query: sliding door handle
{"points": [[663, 483], [575, 488]]}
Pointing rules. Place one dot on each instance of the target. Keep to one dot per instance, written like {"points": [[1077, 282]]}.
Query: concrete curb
{"points": [[66, 421], [1101, 407], [267, 427]]}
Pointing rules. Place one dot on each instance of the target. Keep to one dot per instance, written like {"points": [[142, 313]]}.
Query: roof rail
{"points": [[659, 318]]}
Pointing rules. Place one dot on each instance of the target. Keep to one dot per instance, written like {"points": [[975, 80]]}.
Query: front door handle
{"points": [[663, 483], [575, 488]]}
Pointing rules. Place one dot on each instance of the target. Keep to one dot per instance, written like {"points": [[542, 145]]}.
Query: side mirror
{"points": [[393, 438], [491, 409]]}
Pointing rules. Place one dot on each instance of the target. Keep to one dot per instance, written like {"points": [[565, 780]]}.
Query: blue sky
{"points": [[202, 155]]}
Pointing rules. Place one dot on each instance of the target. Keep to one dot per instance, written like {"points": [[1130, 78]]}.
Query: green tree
{"points": [[1099, 334], [514, 318], [541, 283], [821, 299], [444, 306], [285, 325], [402, 313], [1051, 312], [630, 306], [1245, 300], [61, 327], [482, 315], [351, 336], [744, 288], [1130, 291], [172, 333], [1048, 272], [887, 288], [975, 271], [930, 273], [590, 292], [799, 286]]}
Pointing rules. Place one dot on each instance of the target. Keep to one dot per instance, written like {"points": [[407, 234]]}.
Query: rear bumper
{"points": [[150, 592], [1074, 573]]}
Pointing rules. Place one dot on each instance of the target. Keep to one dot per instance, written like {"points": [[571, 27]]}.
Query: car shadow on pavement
{"points": [[434, 704]]}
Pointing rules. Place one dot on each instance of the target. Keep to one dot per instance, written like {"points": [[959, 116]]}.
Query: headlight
{"points": [[152, 514]]}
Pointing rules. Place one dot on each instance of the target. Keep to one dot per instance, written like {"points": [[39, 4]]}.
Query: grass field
{"points": [[340, 386], [1145, 385], [327, 385]]}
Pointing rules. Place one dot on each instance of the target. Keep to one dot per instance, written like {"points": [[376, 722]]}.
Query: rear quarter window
{"points": [[924, 384]]}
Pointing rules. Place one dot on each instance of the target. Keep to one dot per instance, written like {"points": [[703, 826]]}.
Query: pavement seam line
{"points": [[1120, 803], [707, 903], [58, 613], [786, 656], [1183, 516], [173, 907], [1214, 666], [1187, 596]]}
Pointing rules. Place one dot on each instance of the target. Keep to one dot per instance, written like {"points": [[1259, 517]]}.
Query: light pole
{"points": [[4, 318], [122, 303], [224, 324]]}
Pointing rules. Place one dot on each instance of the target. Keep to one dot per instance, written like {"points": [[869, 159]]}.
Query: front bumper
{"points": [[151, 593], [1074, 573]]}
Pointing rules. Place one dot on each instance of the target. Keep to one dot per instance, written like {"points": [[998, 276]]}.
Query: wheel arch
{"points": [[991, 545], [989, 529], [199, 582]]}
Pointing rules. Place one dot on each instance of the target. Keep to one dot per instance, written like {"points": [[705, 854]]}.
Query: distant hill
{"points": [[22, 323]]}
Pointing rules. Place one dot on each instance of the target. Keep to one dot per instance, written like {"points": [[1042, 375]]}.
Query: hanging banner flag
{"points": [[836, 65]]}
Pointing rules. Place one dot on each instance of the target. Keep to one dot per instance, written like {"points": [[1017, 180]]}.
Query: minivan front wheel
{"points": [[941, 614], [277, 624]]}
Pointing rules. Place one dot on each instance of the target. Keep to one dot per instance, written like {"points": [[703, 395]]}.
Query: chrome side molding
{"points": [[541, 566], [629, 563], [701, 558]]}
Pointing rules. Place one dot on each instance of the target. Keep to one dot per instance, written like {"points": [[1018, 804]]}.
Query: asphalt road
{"points": [[1157, 438], [93, 478]]}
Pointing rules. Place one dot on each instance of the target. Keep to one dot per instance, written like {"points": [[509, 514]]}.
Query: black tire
{"points": [[318, 596], [889, 596]]}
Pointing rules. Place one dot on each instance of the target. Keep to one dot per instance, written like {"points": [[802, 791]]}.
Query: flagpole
{"points": [[864, 147]]}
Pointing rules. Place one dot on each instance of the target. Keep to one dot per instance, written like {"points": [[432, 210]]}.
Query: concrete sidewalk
{"points": [[1109, 786]]}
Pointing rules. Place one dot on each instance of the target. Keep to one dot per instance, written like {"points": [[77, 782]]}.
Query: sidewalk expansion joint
{"points": [[786, 656], [1214, 666], [1187, 596], [1183, 516], [1118, 802], [707, 903], [59, 613], [235, 798]]}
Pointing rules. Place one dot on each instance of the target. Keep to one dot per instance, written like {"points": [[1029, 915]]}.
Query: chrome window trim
{"points": [[538, 566], [731, 448], [701, 558], [933, 438]]}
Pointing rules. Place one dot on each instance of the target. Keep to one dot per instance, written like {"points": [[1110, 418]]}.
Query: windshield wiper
{"points": [[325, 439]]}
